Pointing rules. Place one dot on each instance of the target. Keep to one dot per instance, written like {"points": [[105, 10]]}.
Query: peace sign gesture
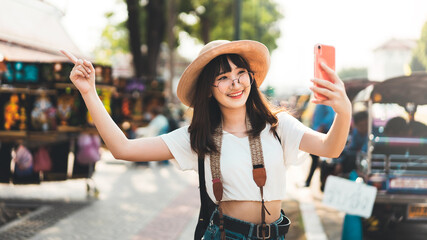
{"points": [[83, 74]]}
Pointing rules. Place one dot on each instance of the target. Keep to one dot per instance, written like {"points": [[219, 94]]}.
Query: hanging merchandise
{"points": [[23, 161], [43, 116], [88, 149], [76, 109], [65, 105], [23, 115], [126, 107], [138, 106], [11, 113], [42, 161]]}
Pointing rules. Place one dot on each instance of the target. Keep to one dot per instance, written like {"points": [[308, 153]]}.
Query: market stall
{"points": [[43, 118]]}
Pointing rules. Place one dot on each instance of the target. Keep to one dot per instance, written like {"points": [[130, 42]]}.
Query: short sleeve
{"points": [[290, 131], [178, 142]]}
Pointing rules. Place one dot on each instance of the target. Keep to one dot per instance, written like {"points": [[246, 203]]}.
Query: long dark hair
{"points": [[207, 114]]}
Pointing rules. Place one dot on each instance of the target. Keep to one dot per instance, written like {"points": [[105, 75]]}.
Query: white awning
{"points": [[11, 52]]}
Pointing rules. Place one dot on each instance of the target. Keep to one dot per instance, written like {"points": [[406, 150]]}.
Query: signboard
{"points": [[350, 197]]}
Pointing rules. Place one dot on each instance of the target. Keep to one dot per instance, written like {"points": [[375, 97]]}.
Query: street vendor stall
{"points": [[43, 119], [45, 131]]}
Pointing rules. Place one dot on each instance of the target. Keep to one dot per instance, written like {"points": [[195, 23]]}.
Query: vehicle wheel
{"points": [[377, 225]]}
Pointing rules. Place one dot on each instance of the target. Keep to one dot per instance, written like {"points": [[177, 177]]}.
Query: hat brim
{"points": [[255, 53]]}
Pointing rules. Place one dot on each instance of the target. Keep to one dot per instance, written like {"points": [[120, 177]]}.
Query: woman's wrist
{"points": [[88, 93]]}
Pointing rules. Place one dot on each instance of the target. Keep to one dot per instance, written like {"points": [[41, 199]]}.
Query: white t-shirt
{"points": [[236, 162]]}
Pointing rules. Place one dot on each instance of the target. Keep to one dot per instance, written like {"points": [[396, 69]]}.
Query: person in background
{"points": [[323, 118], [158, 125], [358, 140], [417, 129], [396, 127], [346, 162]]}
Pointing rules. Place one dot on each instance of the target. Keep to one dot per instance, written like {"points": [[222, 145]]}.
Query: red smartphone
{"points": [[325, 54]]}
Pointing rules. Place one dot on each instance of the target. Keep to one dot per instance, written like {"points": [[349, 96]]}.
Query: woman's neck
{"points": [[233, 121]]}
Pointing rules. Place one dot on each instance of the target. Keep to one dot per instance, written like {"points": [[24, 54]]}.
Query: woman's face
{"points": [[236, 94]]}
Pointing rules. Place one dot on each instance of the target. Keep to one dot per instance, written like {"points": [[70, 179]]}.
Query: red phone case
{"points": [[325, 54]]}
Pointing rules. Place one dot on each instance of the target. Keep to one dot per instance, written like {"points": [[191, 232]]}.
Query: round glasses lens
{"points": [[243, 79]]}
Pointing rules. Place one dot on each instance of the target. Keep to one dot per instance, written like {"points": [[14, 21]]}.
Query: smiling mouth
{"points": [[236, 94]]}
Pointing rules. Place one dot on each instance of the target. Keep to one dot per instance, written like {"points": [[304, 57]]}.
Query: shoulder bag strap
{"points": [[202, 224]]}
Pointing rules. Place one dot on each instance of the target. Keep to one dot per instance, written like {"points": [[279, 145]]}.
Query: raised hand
{"points": [[334, 91], [83, 74]]}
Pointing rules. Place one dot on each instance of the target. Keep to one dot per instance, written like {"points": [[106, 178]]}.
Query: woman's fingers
{"points": [[79, 73], [323, 102], [75, 74], [84, 63], [89, 66], [70, 56], [83, 70], [321, 90], [324, 83]]}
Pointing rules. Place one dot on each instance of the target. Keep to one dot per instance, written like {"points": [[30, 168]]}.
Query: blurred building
{"points": [[391, 59]]}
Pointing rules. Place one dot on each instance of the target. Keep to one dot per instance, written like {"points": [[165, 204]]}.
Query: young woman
{"points": [[245, 144]]}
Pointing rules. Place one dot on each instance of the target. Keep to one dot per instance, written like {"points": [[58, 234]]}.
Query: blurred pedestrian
{"points": [[396, 127], [346, 162], [417, 129], [158, 125], [235, 131], [358, 141], [323, 118]]}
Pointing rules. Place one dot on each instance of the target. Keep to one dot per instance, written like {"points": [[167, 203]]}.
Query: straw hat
{"points": [[255, 53]]}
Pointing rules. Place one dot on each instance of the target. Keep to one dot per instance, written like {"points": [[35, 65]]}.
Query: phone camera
{"points": [[318, 47]]}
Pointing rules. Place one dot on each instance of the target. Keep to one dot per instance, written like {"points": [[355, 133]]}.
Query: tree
{"points": [[156, 27], [213, 19], [202, 19], [133, 26], [349, 73], [419, 56], [146, 24]]}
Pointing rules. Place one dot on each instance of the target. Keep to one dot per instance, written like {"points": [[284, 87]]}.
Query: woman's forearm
{"points": [[112, 135], [337, 135]]}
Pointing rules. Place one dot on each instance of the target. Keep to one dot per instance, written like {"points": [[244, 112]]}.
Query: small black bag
{"points": [[207, 205]]}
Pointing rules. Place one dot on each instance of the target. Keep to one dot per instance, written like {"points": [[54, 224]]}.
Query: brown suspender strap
{"points": [[259, 173], [216, 177]]}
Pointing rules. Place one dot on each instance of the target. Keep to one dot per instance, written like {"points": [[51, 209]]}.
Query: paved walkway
{"points": [[159, 202]]}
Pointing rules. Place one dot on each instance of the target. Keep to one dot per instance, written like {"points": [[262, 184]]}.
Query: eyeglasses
{"points": [[243, 77]]}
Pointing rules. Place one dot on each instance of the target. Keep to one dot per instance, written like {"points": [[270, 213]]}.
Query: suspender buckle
{"points": [[259, 232]]}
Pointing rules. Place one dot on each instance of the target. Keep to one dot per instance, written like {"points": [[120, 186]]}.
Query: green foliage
{"points": [[416, 64], [352, 73], [114, 40], [258, 21], [419, 56], [115, 37]]}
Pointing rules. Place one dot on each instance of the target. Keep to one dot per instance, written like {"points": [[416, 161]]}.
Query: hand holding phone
{"points": [[323, 54]]}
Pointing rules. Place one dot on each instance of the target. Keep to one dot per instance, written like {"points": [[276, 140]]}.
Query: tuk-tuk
{"points": [[395, 164]]}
